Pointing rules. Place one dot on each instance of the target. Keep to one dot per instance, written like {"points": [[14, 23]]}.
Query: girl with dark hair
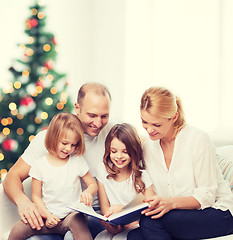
{"points": [[121, 177]]}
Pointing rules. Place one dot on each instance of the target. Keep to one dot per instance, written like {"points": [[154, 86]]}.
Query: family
{"points": [[86, 157]]}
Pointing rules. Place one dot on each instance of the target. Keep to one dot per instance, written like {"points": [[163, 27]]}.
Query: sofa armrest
{"points": [[9, 213]]}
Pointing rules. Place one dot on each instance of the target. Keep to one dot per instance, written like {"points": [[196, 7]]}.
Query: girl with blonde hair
{"points": [[56, 182]]}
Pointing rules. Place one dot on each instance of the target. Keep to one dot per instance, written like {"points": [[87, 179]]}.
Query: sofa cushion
{"points": [[225, 161]]}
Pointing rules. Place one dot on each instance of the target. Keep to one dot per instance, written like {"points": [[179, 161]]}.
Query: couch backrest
{"points": [[225, 161]]}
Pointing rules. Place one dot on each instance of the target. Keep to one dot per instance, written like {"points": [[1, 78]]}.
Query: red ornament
{"points": [[9, 145], [33, 22], [26, 101], [53, 41], [49, 64], [40, 84]]}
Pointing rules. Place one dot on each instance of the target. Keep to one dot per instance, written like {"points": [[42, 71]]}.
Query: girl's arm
{"points": [[51, 220], [104, 207], [92, 188], [148, 193], [103, 198]]}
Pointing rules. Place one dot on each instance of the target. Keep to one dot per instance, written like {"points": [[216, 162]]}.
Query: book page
{"points": [[132, 209], [137, 200], [81, 207], [134, 205]]}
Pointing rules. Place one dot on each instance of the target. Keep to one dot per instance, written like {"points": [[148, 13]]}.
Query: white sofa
{"points": [[9, 214]]}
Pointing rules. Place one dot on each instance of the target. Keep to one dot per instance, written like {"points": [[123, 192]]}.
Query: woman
{"points": [[192, 200]]}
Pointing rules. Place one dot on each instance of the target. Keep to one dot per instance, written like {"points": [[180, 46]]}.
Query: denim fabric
{"points": [[47, 237], [185, 224]]}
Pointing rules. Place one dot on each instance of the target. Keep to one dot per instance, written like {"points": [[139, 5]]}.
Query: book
{"points": [[129, 213]]}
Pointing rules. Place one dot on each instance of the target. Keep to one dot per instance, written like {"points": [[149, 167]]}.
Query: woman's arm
{"points": [[92, 188], [161, 205]]}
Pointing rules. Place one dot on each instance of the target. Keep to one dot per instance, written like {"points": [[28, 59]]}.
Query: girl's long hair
{"points": [[127, 135]]}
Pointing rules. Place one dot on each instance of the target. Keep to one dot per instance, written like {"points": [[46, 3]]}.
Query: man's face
{"points": [[93, 113]]}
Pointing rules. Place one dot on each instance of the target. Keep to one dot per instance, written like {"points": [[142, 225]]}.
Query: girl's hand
{"points": [[52, 221], [113, 209], [86, 198], [158, 206], [111, 228]]}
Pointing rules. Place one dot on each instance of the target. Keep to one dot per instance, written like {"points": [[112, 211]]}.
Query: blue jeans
{"points": [[46, 237], [185, 224]]}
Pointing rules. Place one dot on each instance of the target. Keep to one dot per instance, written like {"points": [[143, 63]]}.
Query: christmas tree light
{"points": [[36, 93]]}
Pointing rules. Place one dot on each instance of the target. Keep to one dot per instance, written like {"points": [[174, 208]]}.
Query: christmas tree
{"points": [[35, 94]]}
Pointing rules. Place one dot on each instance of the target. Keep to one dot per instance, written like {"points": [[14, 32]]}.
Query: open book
{"points": [[129, 213]]}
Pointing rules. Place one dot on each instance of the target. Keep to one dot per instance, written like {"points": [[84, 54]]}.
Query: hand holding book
{"points": [[130, 212]]}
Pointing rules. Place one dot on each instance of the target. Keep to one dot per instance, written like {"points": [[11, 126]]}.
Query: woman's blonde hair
{"points": [[127, 134], [161, 102], [58, 128]]}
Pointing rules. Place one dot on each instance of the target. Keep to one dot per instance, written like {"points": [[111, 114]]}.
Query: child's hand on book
{"points": [[52, 221], [86, 198], [113, 209], [112, 228]]}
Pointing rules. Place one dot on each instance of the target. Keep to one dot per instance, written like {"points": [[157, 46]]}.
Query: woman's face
{"points": [[118, 154], [157, 128]]}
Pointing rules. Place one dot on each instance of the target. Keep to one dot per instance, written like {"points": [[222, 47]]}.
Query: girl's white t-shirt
{"points": [[120, 192], [61, 185], [95, 147]]}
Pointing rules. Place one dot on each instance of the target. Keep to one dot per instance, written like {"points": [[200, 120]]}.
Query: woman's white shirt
{"points": [[193, 170]]}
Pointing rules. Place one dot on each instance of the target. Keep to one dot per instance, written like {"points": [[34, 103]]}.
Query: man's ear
{"points": [[77, 108]]}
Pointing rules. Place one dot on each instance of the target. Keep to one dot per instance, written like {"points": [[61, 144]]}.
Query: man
{"points": [[92, 108]]}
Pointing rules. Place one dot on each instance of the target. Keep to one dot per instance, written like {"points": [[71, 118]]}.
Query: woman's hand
{"points": [[86, 198], [112, 228], [158, 206], [52, 221]]}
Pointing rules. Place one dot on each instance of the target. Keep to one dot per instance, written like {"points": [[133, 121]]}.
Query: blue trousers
{"points": [[46, 237], [184, 224]]}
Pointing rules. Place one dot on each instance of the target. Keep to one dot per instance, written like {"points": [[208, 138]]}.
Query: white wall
{"points": [[130, 45]]}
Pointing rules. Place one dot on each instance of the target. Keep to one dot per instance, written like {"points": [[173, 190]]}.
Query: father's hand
{"points": [[30, 214]]}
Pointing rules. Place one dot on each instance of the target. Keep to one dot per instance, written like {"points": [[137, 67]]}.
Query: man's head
{"points": [[92, 107]]}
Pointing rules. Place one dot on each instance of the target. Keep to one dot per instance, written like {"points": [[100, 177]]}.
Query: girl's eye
{"points": [[112, 151]]}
